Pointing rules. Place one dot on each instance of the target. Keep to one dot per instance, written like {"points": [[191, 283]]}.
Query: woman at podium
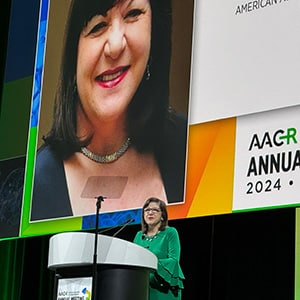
{"points": [[166, 283]]}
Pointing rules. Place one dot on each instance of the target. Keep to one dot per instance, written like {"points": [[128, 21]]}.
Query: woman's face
{"points": [[152, 214], [113, 52]]}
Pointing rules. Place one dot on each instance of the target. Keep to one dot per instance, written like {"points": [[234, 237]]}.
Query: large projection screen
{"points": [[50, 36], [234, 71]]}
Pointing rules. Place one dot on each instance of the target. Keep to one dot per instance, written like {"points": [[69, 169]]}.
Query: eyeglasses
{"points": [[153, 210]]}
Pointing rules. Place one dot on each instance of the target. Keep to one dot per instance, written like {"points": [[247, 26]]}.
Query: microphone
{"points": [[125, 224], [116, 226], [100, 199], [109, 229]]}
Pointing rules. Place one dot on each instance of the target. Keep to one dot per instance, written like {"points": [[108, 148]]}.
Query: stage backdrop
{"points": [[240, 90]]}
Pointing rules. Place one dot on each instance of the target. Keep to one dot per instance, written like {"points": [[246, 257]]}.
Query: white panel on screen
{"points": [[267, 160], [245, 57]]}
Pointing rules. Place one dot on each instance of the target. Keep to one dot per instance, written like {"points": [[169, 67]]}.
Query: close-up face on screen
{"points": [[112, 117]]}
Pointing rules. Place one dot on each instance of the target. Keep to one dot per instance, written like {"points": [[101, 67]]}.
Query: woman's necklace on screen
{"points": [[107, 158]]}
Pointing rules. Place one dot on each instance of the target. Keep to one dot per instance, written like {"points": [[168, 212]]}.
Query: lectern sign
{"points": [[74, 288]]}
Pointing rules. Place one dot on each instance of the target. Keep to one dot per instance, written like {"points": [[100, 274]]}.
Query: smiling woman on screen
{"points": [[112, 116]]}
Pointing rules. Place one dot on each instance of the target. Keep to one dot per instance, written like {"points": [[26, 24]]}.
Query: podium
{"points": [[122, 267]]}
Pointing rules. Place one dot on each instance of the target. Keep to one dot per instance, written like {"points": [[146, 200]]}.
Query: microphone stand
{"points": [[94, 278]]}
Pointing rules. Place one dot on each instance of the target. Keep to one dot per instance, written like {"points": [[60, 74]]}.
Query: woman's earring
{"points": [[148, 74]]}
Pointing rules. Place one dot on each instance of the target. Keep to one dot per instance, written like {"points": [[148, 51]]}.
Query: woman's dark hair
{"points": [[149, 107], [164, 214]]}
